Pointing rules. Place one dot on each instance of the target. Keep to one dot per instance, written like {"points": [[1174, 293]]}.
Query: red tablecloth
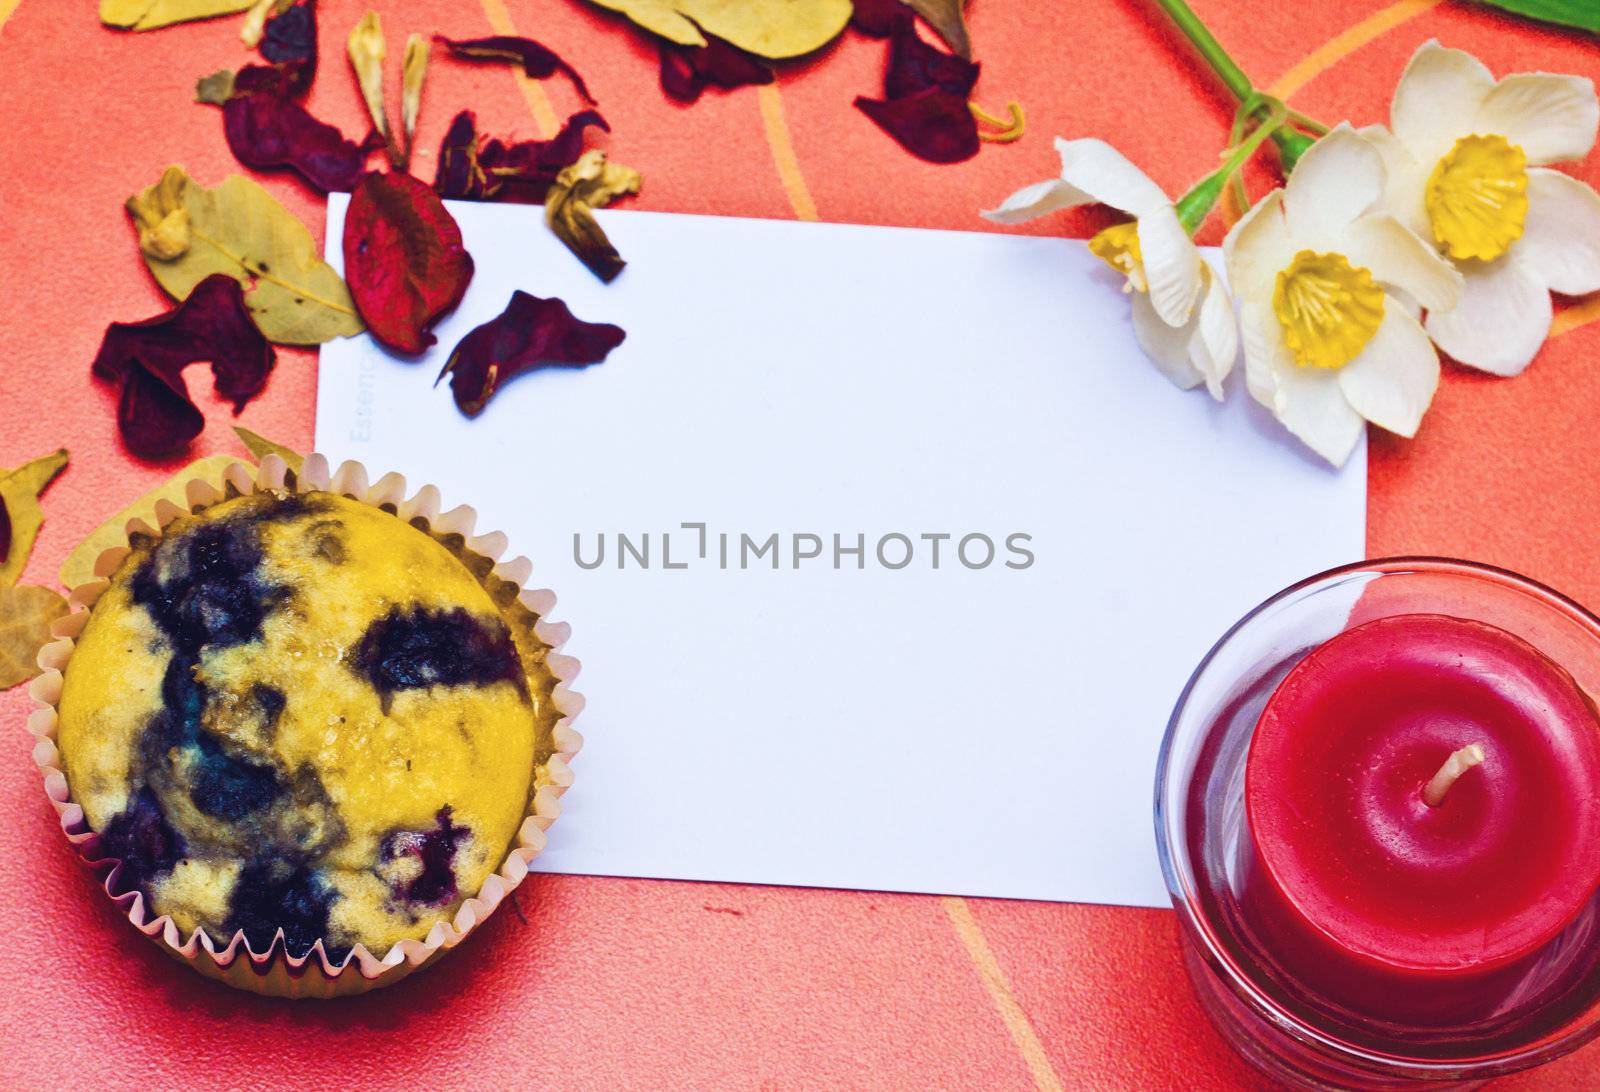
{"points": [[625, 983]]}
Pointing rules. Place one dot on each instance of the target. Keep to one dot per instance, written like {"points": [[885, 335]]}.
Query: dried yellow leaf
{"points": [[159, 213], [25, 616], [78, 568], [150, 14], [19, 492], [413, 71], [948, 21], [259, 446], [255, 22], [239, 229], [590, 183], [367, 50], [774, 29], [658, 17]]}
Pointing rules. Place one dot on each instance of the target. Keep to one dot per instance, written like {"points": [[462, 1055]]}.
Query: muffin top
{"points": [[301, 712]]}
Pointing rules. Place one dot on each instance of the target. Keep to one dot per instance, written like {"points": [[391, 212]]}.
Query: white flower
{"points": [[1182, 315], [1326, 343], [1465, 164]]}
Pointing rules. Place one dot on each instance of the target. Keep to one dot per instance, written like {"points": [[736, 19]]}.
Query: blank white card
{"points": [[739, 513]]}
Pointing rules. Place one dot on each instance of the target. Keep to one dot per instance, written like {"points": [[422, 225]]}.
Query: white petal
{"points": [[1308, 401], [1036, 200], [1392, 381], [1171, 264], [1339, 178], [1406, 180], [1258, 248], [1397, 257], [1561, 237], [1167, 346], [1502, 319], [1214, 343], [1104, 173], [1552, 118], [1437, 99]]}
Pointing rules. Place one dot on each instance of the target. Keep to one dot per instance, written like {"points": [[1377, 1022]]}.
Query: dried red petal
{"points": [[537, 61], [476, 169], [403, 259], [933, 124], [925, 99], [266, 128], [686, 71], [531, 333], [155, 413], [879, 18], [916, 66]]}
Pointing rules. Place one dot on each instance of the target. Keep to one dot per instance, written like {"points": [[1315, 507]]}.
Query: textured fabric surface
{"points": [[619, 983]]}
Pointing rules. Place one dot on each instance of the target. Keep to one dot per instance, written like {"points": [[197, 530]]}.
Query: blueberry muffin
{"points": [[300, 712]]}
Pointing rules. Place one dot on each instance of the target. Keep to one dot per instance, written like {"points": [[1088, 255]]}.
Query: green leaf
{"points": [[1578, 14], [150, 14], [187, 233], [261, 447]]}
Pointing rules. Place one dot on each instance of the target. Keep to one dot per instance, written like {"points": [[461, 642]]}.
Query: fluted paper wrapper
{"points": [[274, 971]]}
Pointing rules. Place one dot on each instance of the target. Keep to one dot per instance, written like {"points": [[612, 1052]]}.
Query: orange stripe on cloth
{"points": [[783, 157], [544, 115], [1342, 45], [994, 980]]}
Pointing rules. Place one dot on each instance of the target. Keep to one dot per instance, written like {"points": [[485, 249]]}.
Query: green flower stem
{"points": [[1194, 206], [1233, 77], [1291, 143]]}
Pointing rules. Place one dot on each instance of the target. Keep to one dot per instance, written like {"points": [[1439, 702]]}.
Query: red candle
{"points": [[1422, 796]]}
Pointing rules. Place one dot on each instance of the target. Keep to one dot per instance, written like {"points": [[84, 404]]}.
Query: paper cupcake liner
{"points": [[274, 971]]}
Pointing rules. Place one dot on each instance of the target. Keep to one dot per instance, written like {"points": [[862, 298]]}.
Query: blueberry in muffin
{"points": [[301, 712]]}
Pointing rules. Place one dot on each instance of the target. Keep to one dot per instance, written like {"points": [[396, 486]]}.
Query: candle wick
{"points": [[1457, 764]]}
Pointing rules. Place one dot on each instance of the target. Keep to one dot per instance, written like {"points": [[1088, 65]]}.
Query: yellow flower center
{"points": [[1477, 197], [1118, 247], [1328, 308]]}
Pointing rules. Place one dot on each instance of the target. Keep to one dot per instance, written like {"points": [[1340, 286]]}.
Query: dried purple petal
{"points": [[531, 333], [476, 169], [290, 42], [155, 414], [915, 66], [537, 61], [266, 128], [925, 99], [933, 124], [686, 71], [879, 18]]}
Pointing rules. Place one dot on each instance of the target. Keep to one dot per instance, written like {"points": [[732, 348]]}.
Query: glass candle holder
{"points": [[1544, 1007]]}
